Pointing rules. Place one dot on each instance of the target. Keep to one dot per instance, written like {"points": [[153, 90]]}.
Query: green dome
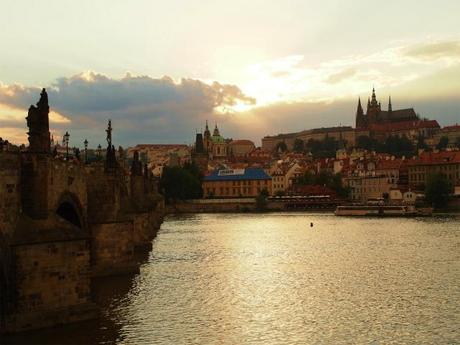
{"points": [[217, 139]]}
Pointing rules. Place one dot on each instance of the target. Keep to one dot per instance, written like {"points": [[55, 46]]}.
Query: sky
{"points": [[160, 69]]}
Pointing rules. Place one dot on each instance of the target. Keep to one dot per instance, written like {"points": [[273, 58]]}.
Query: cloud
{"points": [[431, 51], [340, 76], [142, 108], [291, 96]]}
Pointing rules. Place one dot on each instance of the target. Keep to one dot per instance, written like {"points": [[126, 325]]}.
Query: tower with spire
{"points": [[360, 120], [207, 138], [374, 113]]}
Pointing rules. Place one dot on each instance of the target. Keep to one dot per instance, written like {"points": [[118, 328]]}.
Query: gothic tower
{"points": [[199, 154], [360, 120], [373, 109], [207, 138]]}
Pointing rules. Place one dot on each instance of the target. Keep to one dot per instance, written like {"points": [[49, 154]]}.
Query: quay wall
{"points": [[242, 205]]}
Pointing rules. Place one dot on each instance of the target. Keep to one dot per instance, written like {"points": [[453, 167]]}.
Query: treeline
{"points": [[181, 183], [319, 148], [324, 178], [437, 190], [394, 145]]}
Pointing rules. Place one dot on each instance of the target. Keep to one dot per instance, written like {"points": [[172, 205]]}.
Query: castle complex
{"points": [[375, 114], [375, 123]]}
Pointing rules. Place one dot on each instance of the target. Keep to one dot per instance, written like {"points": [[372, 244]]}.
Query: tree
{"points": [[398, 146], [421, 144], [307, 178], [180, 183], [437, 190], [261, 200], [443, 142], [298, 145], [281, 146], [457, 142], [367, 143], [325, 178], [323, 148]]}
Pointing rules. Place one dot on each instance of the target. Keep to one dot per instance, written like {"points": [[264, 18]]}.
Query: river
{"points": [[275, 279]]}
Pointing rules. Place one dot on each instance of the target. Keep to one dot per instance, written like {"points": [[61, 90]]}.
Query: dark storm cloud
{"points": [[149, 110], [142, 108]]}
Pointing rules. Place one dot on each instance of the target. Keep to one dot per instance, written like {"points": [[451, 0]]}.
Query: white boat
{"points": [[382, 211]]}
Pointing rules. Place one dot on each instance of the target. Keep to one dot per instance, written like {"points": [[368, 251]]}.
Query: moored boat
{"points": [[383, 211]]}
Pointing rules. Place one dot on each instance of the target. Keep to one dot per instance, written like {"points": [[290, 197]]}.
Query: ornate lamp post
{"points": [[99, 149], [86, 150], [65, 141]]}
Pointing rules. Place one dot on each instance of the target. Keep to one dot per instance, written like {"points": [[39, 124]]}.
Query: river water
{"points": [[275, 279]]}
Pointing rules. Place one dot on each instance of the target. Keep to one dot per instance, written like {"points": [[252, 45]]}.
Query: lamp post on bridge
{"points": [[65, 141], [86, 151]]}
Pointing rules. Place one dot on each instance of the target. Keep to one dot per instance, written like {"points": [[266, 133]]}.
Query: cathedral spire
{"points": [[374, 98], [216, 131], [359, 110], [359, 115]]}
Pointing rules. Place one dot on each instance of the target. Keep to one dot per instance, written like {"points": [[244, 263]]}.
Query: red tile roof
{"points": [[242, 142], [388, 164], [313, 189], [433, 158], [453, 128]]}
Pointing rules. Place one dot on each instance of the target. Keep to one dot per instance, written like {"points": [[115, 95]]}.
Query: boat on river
{"points": [[383, 211]]}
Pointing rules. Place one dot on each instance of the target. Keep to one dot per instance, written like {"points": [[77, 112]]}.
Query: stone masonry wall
{"points": [[113, 248], [10, 196], [52, 283]]}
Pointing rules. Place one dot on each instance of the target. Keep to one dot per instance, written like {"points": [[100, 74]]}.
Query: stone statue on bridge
{"points": [[38, 123]]}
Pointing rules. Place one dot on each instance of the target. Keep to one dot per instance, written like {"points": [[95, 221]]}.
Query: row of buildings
{"points": [[366, 175]]}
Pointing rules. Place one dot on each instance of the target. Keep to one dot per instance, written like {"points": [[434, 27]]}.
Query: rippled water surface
{"points": [[274, 279]]}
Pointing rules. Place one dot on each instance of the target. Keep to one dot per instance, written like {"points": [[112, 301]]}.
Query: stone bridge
{"points": [[64, 222]]}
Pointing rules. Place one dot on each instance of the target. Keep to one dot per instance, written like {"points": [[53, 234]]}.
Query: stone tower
{"points": [[373, 109], [200, 154]]}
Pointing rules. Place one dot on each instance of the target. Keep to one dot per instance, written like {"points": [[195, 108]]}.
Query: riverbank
{"points": [[245, 205], [248, 205]]}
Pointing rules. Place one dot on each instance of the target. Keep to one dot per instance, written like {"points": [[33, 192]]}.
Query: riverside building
{"points": [[236, 183]]}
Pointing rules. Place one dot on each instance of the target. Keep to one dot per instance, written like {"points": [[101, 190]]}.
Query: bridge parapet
{"points": [[10, 196]]}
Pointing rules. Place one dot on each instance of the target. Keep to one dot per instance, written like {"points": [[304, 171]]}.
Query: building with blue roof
{"points": [[236, 183]]}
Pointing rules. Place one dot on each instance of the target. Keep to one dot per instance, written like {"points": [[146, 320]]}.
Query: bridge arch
{"points": [[69, 208]]}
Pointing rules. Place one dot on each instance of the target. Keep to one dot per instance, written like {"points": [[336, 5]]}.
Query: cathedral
{"points": [[375, 114]]}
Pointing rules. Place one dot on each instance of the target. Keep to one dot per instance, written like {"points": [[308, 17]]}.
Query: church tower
{"points": [[373, 109], [216, 131], [207, 138], [199, 154]]}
